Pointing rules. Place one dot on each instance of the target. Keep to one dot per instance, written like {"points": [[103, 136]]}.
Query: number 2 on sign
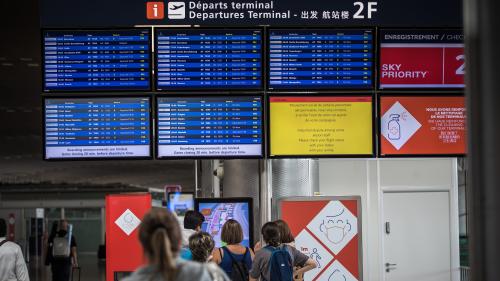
{"points": [[461, 69]]}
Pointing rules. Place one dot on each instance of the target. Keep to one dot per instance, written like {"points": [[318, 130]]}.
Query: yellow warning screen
{"points": [[321, 126]]}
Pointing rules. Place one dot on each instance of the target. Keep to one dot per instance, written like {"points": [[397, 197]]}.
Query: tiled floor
{"points": [[92, 269]]}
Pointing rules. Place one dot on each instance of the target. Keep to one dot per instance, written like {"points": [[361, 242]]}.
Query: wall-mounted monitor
{"points": [[218, 210], [208, 59], [428, 58], [321, 126], [180, 202], [422, 126], [320, 59], [97, 128], [209, 127], [96, 60]]}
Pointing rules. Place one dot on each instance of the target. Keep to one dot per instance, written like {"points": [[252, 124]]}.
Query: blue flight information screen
{"points": [[311, 59], [103, 127], [200, 59], [218, 127], [97, 60]]}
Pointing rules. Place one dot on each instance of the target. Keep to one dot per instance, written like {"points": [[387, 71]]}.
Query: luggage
{"points": [[77, 270]]}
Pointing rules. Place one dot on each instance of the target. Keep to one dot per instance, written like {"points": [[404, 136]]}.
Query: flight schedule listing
{"points": [[209, 127], [96, 60], [320, 59], [97, 127], [209, 59]]}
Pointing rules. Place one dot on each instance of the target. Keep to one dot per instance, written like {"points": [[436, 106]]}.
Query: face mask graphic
{"points": [[335, 230]]}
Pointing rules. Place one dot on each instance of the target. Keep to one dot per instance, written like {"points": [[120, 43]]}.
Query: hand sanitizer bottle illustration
{"points": [[394, 128]]}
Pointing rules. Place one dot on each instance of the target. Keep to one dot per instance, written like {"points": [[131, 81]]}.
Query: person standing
{"points": [[277, 261], [12, 264], [234, 258], [192, 224], [201, 245], [62, 263]]}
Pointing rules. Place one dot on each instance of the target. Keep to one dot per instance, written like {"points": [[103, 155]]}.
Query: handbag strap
{"points": [[3, 242]]}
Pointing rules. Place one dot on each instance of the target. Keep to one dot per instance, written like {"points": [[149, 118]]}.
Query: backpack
{"points": [[61, 246], [280, 264], [239, 269]]}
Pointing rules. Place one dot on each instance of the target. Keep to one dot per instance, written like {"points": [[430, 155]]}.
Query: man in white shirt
{"points": [[12, 265]]}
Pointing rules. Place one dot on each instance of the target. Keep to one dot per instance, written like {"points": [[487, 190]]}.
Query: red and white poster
{"points": [[328, 230], [124, 213], [422, 126], [421, 59]]}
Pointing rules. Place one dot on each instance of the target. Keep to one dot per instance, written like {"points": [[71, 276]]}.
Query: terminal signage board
{"points": [[315, 59], [421, 59], [209, 127], [126, 13], [96, 60], [209, 59], [319, 126], [423, 126], [328, 230], [97, 128]]}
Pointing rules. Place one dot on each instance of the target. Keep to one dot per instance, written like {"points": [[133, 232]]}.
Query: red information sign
{"points": [[123, 217], [328, 230], [421, 59], [422, 126]]}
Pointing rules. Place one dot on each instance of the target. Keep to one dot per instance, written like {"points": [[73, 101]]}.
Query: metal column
{"points": [[482, 25]]}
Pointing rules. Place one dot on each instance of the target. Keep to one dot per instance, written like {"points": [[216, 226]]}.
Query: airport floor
{"points": [[92, 269]]}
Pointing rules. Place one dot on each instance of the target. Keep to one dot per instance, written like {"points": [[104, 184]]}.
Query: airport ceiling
{"points": [[21, 165]]}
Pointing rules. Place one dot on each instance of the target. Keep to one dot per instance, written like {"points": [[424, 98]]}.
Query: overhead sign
{"points": [[329, 232], [119, 13], [421, 59], [321, 126], [422, 126]]}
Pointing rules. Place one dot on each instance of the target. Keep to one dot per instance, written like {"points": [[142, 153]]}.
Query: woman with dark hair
{"points": [[201, 245], [160, 237], [285, 233], [234, 258], [262, 263]]}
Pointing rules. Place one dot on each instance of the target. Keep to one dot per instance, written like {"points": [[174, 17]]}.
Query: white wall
{"points": [[368, 178]]}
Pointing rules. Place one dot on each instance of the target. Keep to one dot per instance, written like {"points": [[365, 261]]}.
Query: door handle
{"points": [[389, 267], [390, 264]]}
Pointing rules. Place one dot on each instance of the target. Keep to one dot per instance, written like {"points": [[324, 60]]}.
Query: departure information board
{"points": [[427, 58], [310, 59], [321, 126], [98, 127], [96, 60], [200, 59], [204, 127]]}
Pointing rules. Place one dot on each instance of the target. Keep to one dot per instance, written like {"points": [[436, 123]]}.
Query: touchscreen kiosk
{"points": [[218, 210]]}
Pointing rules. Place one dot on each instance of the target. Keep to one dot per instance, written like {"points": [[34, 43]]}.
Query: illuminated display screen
{"points": [[209, 127], [421, 58], [96, 60], [321, 126], [200, 59], [423, 125], [320, 59], [79, 128]]}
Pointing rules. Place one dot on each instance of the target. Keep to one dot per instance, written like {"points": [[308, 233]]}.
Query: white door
{"points": [[417, 244]]}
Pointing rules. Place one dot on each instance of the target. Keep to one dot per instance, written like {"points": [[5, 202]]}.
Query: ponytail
{"points": [[156, 233]]}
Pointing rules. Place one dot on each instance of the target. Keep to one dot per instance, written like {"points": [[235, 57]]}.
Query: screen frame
{"points": [[309, 90], [411, 90], [422, 95], [81, 91], [193, 197], [246, 200], [262, 86], [295, 156], [215, 95], [96, 95]]}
